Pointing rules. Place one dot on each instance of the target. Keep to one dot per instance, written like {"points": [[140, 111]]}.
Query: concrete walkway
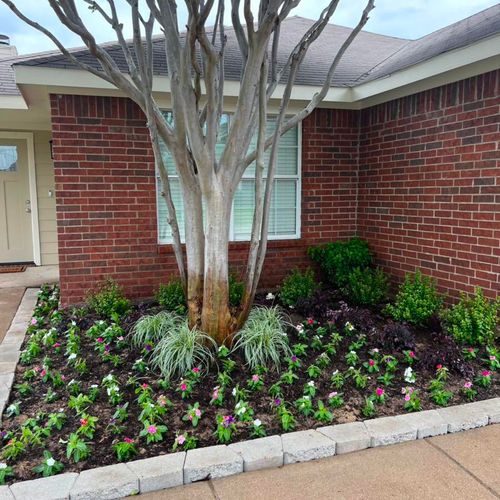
{"points": [[458, 466], [10, 298]]}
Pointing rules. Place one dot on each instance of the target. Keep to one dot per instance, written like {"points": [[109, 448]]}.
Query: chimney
{"points": [[6, 49]]}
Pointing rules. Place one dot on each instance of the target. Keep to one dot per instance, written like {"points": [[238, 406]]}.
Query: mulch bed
{"points": [[262, 403]]}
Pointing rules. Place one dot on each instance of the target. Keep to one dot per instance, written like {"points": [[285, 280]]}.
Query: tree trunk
{"points": [[216, 319]]}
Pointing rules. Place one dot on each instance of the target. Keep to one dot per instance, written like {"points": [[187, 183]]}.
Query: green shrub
{"points": [[236, 290], [417, 300], [367, 287], [296, 286], [337, 260], [152, 328], [263, 338], [108, 300], [171, 296], [474, 320], [181, 349]]}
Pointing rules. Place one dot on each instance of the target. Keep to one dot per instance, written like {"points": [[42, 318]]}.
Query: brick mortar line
{"points": [[463, 467]]}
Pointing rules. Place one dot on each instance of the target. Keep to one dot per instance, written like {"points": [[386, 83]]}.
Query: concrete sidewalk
{"points": [[465, 465], [10, 298]]}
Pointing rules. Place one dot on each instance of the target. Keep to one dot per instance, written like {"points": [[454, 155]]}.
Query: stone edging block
{"points": [[166, 471]]}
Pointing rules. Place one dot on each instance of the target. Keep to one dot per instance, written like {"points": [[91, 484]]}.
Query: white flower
{"points": [[307, 397], [349, 326], [335, 373], [233, 392], [352, 352], [270, 296], [94, 386], [257, 422], [50, 462], [310, 383], [409, 376], [291, 307], [375, 350], [300, 328], [72, 356], [108, 378], [3, 465], [72, 381]]}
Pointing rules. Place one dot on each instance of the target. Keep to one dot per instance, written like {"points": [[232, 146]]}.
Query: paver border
{"points": [[456, 418]]}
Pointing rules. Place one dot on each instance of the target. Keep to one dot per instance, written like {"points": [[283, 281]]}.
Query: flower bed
{"points": [[84, 396]]}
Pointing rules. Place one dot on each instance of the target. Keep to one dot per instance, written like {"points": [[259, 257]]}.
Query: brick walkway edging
{"points": [[176, 469]]}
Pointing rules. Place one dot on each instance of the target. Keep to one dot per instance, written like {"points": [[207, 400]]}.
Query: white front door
{"points": [[16, 240]]}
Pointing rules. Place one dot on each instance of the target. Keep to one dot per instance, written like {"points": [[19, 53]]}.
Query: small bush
{"points": [[367, 287], [171, 296], [394, 337], [297, 286], [236, 289], [263, 338], [417, 300], [108, 300], [152, 328], [337, 260], [181, 349], [474, 320]]}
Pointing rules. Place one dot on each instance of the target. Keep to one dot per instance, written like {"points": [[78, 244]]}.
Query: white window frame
{"points": [[298, 201]]}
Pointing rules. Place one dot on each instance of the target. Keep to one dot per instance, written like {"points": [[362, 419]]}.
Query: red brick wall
{"points": [[106, 203], [429, 183]]}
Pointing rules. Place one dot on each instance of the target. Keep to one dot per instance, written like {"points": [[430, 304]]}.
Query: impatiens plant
{"points": [[360, 379], [468, 391], [184, 442], [257, 429], [288, 377], [412, 401], [313, 371], [304, 405], [87, 426], [153, 432], [13, 409], [217, 398], [469, 353], [286, 418], [193, 414], [77, 449], [386, 379], [352, 358], [56, 420], [310, 388], [369, 409], [243, 411], [492, 359], [125, 450], [337, 379], [371, 366], [255, 383], [379, 395], [5, 472], [335, 399], [409, 375], [410, 357], [225, 428], [49, 466], [484, 378], [185, 388], [323, 414], [13, 449]]}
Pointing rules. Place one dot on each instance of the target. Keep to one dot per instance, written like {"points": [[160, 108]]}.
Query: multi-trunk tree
{"points": [[195, 58]]}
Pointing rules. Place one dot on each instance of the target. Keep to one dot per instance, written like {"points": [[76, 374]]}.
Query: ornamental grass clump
{"points": [[474, 320], [151, 329], [263, 339], [417, 300], [181, 349]]}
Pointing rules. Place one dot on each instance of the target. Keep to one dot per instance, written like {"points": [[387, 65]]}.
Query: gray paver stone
{"points": [[349, 437], [158, 473], [212, 462], [302, 446], [104, 483], [389, 430], [5, 493], [490, 407], [262, 453], [464, 417], [46, 488], [9, 353], [426, 423]]}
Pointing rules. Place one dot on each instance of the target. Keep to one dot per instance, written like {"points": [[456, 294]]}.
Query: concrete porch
{"points": [[31, 277]]}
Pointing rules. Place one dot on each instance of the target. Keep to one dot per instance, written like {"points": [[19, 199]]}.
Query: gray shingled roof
{"points": [[371, 56]]}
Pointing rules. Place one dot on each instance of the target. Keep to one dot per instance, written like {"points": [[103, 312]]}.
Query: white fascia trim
{"points": [[479, 57], [12, 102]]}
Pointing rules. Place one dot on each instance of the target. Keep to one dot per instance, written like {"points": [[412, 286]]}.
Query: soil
{"points": [[260, 401]]}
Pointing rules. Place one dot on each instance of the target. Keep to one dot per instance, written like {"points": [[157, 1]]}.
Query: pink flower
{"points": [[471, 349], [43, 373], [181, 439], [190, 417], [332, 394], [255, 378], [144, 386], [371, 362], [34, 321], [184, 387], [407, 397], [485, 373], [411, 354], [310, 321], [56, 345], [83, 422], [468, 385], [215, 393], [492, 358], [100, 340], [152, 429], [162, 400], [379, 391], [196, 370], [197, 412], [128, 440], [438, 367]]}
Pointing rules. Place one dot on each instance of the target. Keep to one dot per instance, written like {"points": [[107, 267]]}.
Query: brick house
{"points": [[404, 152]]}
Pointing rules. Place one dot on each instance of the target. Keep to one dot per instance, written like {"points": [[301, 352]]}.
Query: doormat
{"points": [[12, 268]]}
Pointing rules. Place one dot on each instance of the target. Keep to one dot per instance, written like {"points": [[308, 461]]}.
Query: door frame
{"points": [[30, 149]]}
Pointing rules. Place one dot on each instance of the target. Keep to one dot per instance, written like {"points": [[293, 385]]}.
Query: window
{"points": [[284, 215], [8, 158]]}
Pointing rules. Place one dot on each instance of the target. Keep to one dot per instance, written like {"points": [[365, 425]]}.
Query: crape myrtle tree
{"points": [[195, 58]]}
